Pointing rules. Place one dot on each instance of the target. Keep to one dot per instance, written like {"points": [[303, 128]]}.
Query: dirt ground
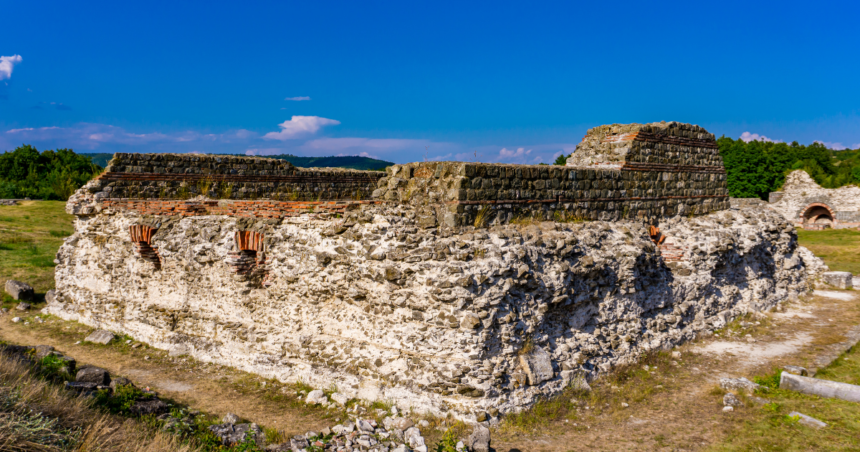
{"points": [[671, 406]]}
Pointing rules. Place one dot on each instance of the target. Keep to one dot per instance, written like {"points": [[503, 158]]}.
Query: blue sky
{"points": [[500, 81]]}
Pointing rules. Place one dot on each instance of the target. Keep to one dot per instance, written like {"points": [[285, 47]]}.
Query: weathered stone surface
{"points": [[738, 384], [230, 418], [231, 434], [149, 406], [103, 337], [19, 290], [92, 374], [731, 400], [839, 280], [797, 370], [806, 204], [364, 296], [807, 420], [23, 306], [537, 366], [316, 397], [823, 388], [479, 440], [339, 398], [43, 351]]}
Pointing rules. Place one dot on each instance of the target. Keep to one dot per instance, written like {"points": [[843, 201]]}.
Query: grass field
{"points": [[840, 248], [30, 235]]}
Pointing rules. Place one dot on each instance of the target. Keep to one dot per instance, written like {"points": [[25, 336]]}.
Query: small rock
{"points": [[230, 418], [676, 355], [43, 351], [727, 409], [423, 423], [797, 370], [92, 374], [100, 337], [479, 440], [316, 397], [735, 384], [120, 381], [364, 426], [149, 406], [16, 319], [231, 434], [23, 306], [731, 400], [808, 420], [339, 398], [624, 405], [19, 290], [299, 442], [80, 386], [482, 416]]}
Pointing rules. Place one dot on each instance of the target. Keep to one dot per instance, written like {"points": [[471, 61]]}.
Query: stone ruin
{"points": [[452, 287], [807, 205]]}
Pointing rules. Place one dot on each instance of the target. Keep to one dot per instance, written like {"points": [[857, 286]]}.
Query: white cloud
{"points": [[440, 158], [831, 145], [298, 98], [6, 65], [300, 125], [855, 146], [747, 137]]}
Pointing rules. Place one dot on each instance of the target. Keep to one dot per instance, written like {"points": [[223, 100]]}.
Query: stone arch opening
{"points": [[818, 216], [141, 236]]}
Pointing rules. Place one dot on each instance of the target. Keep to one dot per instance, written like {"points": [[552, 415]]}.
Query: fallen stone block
{"points": [[839, 280], [92, 374], [149, 406], [797, 370], [23, 306], [807, 420], [823, 388], [737, 384], [339, 398], [19, 290], [100, 337], [732, 400], [81, 386], [43, 351], [537, 366], [479, 440], [316, 397]]}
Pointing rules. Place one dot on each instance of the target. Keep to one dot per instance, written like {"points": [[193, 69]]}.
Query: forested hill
{"points": [[353, 162], [28, 173], [757, 168]]}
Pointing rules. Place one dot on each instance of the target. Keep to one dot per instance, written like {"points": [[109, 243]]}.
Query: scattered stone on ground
{"points": [[19, 290], [23, 306], [316, 397], [731, 400], [728, 408], [100, 337], [807, 420], [839, 280], [797, 370], [16, 319], [93, 374], [737, 384]]}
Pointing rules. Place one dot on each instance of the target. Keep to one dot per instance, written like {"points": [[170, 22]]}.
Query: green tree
{"points": [[26, 173]]}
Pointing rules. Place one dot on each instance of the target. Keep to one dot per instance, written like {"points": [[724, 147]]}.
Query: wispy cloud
{"points": [[747, 137], [298, 98], [299, 126], [832, 145], [7, 63]]}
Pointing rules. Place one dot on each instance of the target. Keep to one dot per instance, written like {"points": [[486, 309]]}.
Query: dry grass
{"points": [[38, 416]]}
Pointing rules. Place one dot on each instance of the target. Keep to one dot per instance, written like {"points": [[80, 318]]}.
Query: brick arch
{"points": [[806, 218], [141, 236]]}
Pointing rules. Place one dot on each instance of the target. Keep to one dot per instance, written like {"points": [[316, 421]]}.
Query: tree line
{"points": [[27, 173]]}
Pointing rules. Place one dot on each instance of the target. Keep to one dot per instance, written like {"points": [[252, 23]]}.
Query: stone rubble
{"points": [[103, 337], [19, 290]]}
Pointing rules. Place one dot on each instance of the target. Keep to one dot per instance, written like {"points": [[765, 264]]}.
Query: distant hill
{"points": [[353, 162]]}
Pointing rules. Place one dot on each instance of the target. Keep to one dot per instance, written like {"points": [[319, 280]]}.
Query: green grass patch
{"points": [[839, 248], [30, 235]]}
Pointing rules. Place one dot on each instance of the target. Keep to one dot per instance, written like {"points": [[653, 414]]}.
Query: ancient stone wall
{"points": [[807, 205], [438, 285]]}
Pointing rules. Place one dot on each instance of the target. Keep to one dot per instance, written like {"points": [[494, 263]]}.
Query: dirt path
{"points": [[210, 388], [672, 405]]}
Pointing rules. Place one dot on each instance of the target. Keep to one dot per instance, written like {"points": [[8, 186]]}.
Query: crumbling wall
{"points": [[803, 202], [385, 309]]}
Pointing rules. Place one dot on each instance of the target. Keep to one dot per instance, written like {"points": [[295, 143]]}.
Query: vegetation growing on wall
{"points": [[757, 168], [54, 175]]}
